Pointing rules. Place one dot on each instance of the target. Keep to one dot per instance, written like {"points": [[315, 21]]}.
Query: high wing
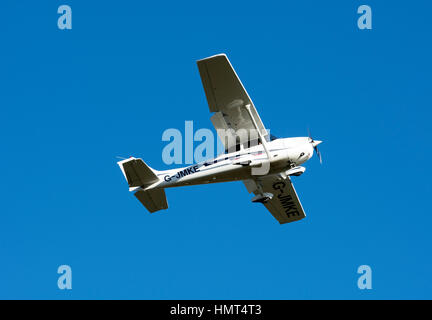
{"points": [[227, 98], [285, 205]]}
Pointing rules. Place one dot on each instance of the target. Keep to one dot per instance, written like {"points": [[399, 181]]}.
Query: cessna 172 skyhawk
{"points": [[263, 162]]}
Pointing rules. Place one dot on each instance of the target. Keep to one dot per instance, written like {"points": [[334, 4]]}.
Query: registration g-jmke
{"points": [[264, 163]]}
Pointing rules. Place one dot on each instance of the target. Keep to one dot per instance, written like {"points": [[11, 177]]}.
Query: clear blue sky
{"points": [[71, 101]]}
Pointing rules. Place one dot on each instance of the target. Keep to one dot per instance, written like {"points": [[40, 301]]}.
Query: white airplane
{"points": [[264, 163]]}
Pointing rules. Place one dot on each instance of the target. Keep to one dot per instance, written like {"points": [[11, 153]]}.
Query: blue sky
{"points": [[73, 100]]}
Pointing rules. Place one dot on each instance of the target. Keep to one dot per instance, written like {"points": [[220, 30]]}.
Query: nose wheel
{"points": [[291, 164]]}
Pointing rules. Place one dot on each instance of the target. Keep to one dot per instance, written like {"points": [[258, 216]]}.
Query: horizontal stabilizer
{"points": [[154, 199], [137, 173]]}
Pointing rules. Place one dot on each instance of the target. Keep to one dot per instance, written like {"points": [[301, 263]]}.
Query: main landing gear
{"points": [[262, 198]]}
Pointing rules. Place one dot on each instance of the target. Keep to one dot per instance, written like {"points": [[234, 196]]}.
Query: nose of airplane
{"points": [[316, 142]]}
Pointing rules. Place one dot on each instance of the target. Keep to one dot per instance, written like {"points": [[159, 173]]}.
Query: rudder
{"points": [[137, 172]]}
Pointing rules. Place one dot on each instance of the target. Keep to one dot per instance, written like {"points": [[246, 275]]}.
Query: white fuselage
{"points": [[284, 154]]}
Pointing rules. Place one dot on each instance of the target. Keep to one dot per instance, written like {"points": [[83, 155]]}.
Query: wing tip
{"points": [[213, 57]]}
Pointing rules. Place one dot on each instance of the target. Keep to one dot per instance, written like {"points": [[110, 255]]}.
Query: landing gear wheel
{"points": [[262, 198]]}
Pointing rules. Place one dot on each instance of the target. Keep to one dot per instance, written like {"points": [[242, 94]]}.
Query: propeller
{"points": [[315, 144]]}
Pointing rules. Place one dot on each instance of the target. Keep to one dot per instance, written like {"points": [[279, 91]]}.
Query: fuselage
{"points": [[284, 153]]}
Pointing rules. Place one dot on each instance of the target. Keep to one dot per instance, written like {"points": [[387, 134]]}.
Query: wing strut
{"points": [[263, 141]]}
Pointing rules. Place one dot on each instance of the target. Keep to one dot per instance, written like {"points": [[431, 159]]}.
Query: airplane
{"points": [[263, 162]]}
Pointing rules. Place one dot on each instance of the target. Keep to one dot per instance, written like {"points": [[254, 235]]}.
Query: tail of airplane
{"points": [[154, 199], [139, 176]]}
